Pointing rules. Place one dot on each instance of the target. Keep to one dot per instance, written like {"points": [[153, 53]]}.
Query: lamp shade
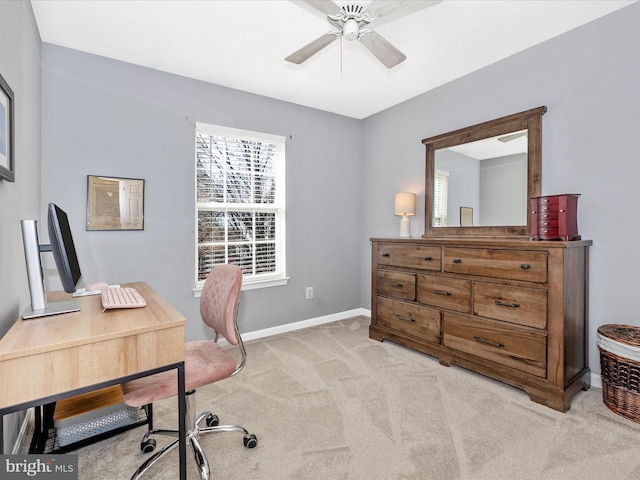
{"points": [[405, 203]]}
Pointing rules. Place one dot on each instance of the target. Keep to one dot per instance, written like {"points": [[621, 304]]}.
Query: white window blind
{"points": [[440, 195], [240, 203]]}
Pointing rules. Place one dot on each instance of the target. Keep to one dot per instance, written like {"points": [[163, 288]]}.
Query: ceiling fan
{"points": [[351, 21]]}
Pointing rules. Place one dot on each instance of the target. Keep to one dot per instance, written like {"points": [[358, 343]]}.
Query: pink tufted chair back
{"points": [[219, 301]]}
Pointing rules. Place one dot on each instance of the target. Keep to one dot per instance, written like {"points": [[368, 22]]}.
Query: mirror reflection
{"points": [[482, 183]]}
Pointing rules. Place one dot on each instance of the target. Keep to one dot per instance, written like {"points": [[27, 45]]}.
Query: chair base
{"points": [[147, 445]]}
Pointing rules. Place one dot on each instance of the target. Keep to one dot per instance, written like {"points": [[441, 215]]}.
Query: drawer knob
{"points": [[505, 304], [392, 284], [406, 319], [440, 292], [427, 258], [457, 260], [488, 342], [525, 266], [386, 255]]}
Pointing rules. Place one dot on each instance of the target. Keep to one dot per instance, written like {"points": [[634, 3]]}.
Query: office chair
{"points": [[205, 362]]}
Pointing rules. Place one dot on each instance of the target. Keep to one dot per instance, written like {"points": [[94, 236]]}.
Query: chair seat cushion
{"points": [[205, 362]]}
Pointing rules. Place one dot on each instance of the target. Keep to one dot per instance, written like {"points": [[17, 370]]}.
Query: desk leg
{"points": [[182, 421], [2, 433], [43, 422]]}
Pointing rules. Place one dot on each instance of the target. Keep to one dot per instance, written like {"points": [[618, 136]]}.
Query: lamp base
{"points": [[405, 227]]}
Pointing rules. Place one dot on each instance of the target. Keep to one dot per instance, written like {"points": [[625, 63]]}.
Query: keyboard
{"points": [[121, 297]]}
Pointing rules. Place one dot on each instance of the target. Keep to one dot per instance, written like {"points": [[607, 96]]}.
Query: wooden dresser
{"points": [[514, 310]]}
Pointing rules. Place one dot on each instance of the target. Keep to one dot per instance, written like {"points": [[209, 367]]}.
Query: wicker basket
{"points": [[619, 347]]}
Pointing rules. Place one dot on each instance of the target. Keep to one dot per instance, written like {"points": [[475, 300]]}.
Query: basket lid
{"points": [[621, 333]]}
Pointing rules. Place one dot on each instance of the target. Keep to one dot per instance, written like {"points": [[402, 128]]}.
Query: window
{"points": [[440, 194], [240, 204]]}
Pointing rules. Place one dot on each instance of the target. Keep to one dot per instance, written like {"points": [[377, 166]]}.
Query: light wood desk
{"points": [[49, 358]]}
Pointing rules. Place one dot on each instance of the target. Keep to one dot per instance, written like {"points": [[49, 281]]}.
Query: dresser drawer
{"points": [[549, 232], [551, 209], [547, 217], [522, 306], [409, 318], [396, 284], [410, 256], [547, 202], [507, 345], [449, 293], [524, 265]]}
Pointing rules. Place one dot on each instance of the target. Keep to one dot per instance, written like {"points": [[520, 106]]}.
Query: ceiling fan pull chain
{"points": [[341, 54]]}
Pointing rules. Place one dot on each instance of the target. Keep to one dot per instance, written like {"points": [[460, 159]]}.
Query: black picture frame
{"points": [[7, 134]]}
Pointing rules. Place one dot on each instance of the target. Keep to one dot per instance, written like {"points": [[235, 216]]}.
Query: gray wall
{"points": [[20, 67], [588, 78], [104, 117], [501, 179]]}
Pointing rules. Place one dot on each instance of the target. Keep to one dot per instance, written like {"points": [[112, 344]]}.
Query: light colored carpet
{"points": [[330, 403]]}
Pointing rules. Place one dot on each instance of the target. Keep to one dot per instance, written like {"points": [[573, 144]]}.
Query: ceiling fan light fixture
{"points": [[351, 29]]}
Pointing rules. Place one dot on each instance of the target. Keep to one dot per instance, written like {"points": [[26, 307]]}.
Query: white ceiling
{"points": [[242, 43]]}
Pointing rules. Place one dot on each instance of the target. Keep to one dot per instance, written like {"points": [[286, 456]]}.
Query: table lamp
{"points": [[405, 206]]}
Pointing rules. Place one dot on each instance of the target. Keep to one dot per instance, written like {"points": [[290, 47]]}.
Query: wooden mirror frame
{"points": [[530, 120]]}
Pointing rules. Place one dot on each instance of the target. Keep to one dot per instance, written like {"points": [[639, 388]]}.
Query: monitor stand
{"points": [[39, 306], [53, 308]]}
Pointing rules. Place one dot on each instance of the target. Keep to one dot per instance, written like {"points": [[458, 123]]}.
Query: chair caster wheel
{"points": [[212, 420], [250, 441], [148, 445]]}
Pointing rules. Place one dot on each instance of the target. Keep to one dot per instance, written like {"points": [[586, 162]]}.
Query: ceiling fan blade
{"points": [[389, 55], [386, 10], [512, 136], [311, 49], [325, 6]]}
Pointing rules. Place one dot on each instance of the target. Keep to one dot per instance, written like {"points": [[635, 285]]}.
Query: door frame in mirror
{"points": [[531, 120]]}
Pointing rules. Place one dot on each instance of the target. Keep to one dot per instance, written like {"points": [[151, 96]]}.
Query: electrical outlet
{"points": [[309, 293]]}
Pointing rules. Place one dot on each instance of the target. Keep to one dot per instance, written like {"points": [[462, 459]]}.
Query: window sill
{"points": [[251, 285]]}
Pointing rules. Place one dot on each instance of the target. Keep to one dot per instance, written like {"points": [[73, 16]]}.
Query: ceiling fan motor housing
{"points": [[350, 19]]}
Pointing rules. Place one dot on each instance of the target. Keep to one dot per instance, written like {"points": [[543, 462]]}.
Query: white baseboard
{"points": [[596, 381], [312, 322]]}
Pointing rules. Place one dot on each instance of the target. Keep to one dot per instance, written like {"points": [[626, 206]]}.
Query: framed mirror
{"points": [[491, 169]]}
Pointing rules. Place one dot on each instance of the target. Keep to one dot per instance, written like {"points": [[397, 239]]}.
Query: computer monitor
{"points": [[63, 250]]}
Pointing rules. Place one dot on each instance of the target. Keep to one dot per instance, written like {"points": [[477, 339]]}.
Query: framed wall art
{"points": [[466, 217], [115, 203], [7, 135]]}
